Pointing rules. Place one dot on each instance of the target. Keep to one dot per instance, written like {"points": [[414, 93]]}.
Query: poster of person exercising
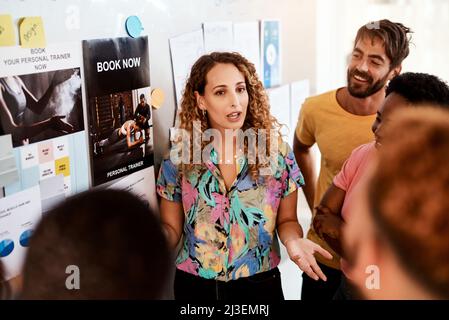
{"points": [[117, 74], [42, 119]]}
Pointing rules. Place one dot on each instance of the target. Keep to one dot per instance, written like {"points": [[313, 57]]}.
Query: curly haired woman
{"points": [[230, 210]]}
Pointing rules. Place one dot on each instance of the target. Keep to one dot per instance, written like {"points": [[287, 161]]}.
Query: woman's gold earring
{"points": [[204, 113]]}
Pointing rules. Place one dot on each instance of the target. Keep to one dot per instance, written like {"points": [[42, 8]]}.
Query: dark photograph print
{"points": [[41, 106]]}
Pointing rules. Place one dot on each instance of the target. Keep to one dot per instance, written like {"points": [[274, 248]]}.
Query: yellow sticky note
{"points": [[63, 166], [157, 98], [31, 30], [7, 37]]}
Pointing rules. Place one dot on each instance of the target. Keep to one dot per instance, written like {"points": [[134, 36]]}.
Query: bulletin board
{"points": [[77, 20], [72, 25]]}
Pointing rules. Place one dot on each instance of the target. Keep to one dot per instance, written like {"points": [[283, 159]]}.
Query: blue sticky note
{"points": [[133, 26]]}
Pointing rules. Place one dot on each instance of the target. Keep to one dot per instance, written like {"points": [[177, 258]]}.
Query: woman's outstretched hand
{"points": [[301, 252]]}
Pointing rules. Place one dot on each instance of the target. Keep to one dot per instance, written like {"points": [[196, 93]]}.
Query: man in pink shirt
{"points": [[406, 90], [397, 239]]}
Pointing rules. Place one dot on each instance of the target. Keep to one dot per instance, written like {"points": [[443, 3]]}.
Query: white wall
{"points": [[338, 22]]}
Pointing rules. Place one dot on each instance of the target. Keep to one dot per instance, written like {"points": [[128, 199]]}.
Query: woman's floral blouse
{"points": [[229, 234]]}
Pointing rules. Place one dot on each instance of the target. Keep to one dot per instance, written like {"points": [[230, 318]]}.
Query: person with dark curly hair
{"points": [[339, 121], [229, 210], [102, 244], [399, 226], [406, 90]]}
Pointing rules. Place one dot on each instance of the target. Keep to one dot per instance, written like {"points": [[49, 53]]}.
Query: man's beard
{"points": [[373, 87]]}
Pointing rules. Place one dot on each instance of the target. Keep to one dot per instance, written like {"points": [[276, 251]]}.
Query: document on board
{"points": [[8, 167], [185, 50], [279, 98], [218, 36], [271, 52], [53, 76], [142, 185], [247, 42], [7, 37], [19, 215]]}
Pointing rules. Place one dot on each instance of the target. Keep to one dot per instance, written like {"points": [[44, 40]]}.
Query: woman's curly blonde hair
{"points": [[258, 113]]}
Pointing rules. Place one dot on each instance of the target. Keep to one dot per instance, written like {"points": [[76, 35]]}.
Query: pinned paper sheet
{"points": [[246, 42], [270, 39], [19, 215], [157, 98], [218, 36], [32, 33], [280, 106], [141, 184], [299, 92], [185, 49], [7, 37], [8, 168]]}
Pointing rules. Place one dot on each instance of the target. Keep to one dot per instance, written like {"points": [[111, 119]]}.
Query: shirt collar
{"points": [[212, 165]]}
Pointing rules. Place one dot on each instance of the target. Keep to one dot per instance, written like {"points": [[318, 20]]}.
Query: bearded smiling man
{"points": [[339, 121]]}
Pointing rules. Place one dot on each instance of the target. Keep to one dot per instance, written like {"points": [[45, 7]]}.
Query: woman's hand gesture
{"points": [[301, 251]]}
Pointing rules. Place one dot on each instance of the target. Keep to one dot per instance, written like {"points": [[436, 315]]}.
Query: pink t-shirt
{"points": [[351, 172], [349, 177]]}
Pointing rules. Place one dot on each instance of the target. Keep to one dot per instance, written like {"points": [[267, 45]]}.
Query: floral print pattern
{"points": [[229, 234]]}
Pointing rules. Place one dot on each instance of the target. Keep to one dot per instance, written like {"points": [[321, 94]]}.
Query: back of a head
{"points": [[409, 195], [420, 88], [395, 36], [4, 287], [113, 239]]}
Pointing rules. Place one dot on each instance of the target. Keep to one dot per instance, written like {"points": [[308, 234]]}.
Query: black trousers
{"points": [[345, 291], [320, 290], [265, 286]]}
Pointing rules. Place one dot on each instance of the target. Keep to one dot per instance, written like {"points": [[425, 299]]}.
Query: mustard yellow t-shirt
{"points": [[337, 132]]}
